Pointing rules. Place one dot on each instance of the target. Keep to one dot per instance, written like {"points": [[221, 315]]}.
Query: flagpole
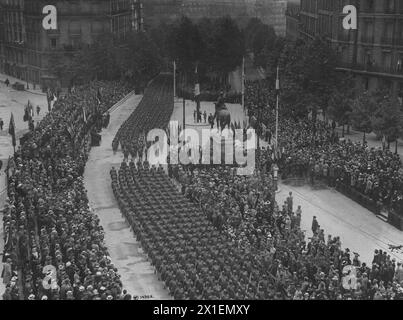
{"points": [[277, 93], [174, 80], [243, 83], [184, 103]]}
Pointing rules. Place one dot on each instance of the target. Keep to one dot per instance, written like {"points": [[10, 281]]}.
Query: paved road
{"points": [[251, 74], [359, 229], [137, 274], [236, 110]]}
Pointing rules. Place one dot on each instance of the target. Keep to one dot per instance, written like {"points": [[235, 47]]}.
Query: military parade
{"points": [[195, 156]]}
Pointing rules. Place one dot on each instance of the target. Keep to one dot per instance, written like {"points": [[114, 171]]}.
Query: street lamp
{"points": [[275, 176], [275, 166], [277, 98]]}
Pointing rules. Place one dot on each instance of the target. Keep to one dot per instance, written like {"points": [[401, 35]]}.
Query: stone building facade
{"points": [[271, 12], [26, 48], [373, 52]]}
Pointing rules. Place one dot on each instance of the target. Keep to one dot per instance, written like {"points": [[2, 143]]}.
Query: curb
{"points": [[37, 93], [25, 90], [119, 103]]}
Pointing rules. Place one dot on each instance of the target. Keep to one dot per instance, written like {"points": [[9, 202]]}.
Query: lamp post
{"points": [[275, 176], [275, 167], [174, 79], [184, 113], [243, 84], [258, 127], [277, 98]]}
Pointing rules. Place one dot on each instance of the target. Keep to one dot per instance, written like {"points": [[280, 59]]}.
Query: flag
{"points": [[11, 129], [197, 85], [71, 132], [99, 97]]}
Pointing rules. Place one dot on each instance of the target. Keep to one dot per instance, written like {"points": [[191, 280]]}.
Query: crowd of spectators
{"points": [[313, 149], [54, 244], [304, 268], [223, 236]]}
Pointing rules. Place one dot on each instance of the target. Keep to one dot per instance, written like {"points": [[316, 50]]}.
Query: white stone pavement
{"points": [[190, 106], [137, 273], [359, 229]]}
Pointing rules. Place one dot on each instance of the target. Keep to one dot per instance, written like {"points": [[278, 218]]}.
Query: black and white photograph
{"points": [[222, 152]]}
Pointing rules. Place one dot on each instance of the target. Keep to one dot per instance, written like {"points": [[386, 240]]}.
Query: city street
{"points": [[251, 74], [371, 139], [237, 114], [137, 274], [359, 229]]}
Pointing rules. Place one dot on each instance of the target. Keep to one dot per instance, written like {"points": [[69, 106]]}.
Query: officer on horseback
{"points": [[222, 114]]}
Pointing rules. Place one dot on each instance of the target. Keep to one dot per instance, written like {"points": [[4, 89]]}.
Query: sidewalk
{"points": [[371, 139], [31, 89]]}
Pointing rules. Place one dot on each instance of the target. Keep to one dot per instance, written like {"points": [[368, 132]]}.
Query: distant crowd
{"points": [[313, 150]]}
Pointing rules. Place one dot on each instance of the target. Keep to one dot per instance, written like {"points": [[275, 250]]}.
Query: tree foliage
{"points": [[388, 120], [307, 75], [260, 39], [187, 44], [341, 100], [136, 58], [228, 46], [364, 108]]}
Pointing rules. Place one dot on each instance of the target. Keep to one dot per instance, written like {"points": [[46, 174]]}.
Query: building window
{"points": [[53, 43], [386, 61], [399, 64], [370, 5], [386, 85], [365, 83], [389, 6], [400, 93]]}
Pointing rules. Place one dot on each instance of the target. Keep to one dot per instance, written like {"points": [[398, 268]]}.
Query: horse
{"points": [[222, 115]]}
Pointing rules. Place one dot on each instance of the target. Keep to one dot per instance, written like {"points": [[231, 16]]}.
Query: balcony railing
{"points": [[390, 11], [344, 37], [367, 39], [387, 40], [371, 68]]}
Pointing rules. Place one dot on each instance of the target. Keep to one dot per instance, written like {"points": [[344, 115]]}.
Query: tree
{"points": [[388, 120], [140, 58], [60, 65], [187, 44], [260, 38], [228, 46], [308, 76], [340, 108], [250, 31], [206, 30], [341, 100], [364, 108]]}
